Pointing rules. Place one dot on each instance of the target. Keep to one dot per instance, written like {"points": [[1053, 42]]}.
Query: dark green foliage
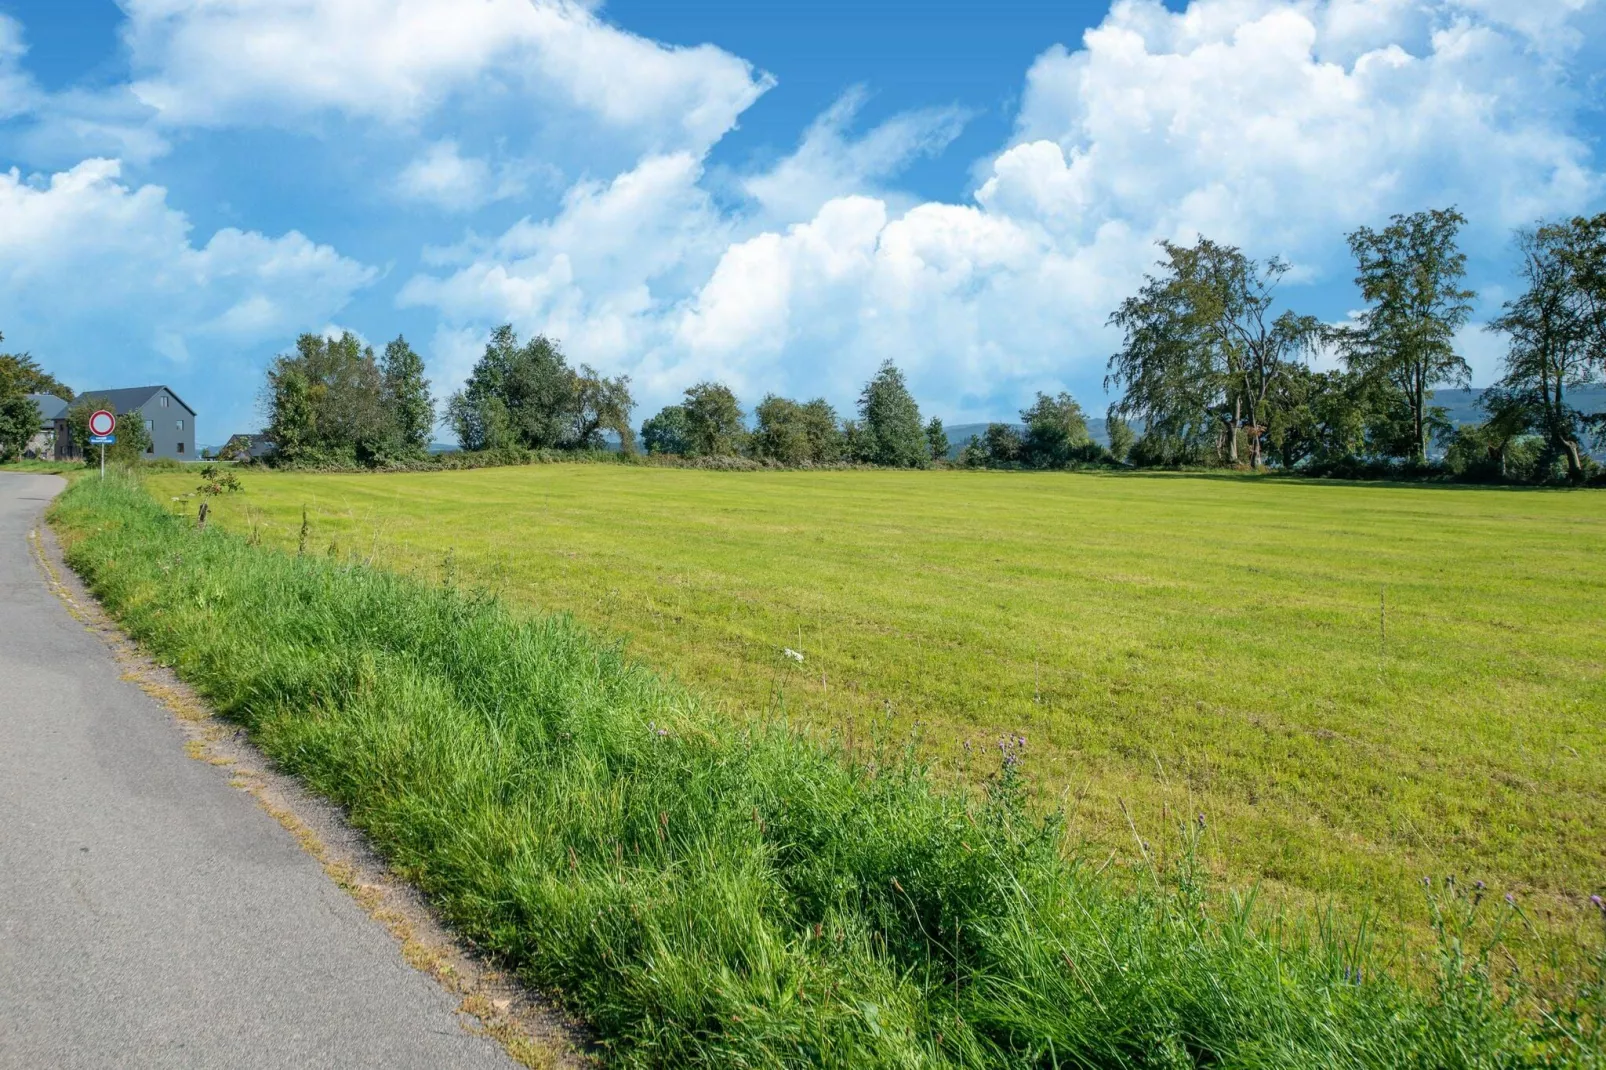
{"points": [[1056, 434], [714, 896], [602, 404], [1002, 445], [326, 404], [20, 417], [1157, 449], [1557, 332], [1498, 450], [1409, 274], [1202, 353], [132, 438], [407, 400], [1120, 434], [889, 422], [666, 432], [527, 396], [793, 434], [714, 425], [21, 374], [827, 444], [1319, 418], [937, 444], [779, 434], [19, 422]]}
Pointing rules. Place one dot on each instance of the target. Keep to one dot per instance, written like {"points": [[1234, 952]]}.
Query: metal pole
{"points": [[103, 460]]}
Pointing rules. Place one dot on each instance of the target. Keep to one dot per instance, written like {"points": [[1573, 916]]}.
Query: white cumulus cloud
{"points": [[84, 255], [1278, 126], [217, 62]]}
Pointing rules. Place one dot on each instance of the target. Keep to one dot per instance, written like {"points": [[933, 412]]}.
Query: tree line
{"points": [[1211, 371]]}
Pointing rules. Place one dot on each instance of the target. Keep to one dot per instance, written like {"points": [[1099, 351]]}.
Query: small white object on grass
{"points": [[795, 655]]}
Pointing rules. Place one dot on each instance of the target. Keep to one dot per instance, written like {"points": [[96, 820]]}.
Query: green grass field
{"points": [[1356, 686]]}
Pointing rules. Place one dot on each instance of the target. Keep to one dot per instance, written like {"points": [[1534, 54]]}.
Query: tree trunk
{"points": [[1575, 464], [1419, 403], [1232, 432]]}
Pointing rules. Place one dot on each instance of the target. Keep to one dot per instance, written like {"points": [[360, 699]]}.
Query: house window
{"points": [[150, 425], [181, 447], [150, 447], [164, 401], [180, 425]]}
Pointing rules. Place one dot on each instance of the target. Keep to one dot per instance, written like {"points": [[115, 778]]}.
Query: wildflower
{"points": [[1600, 905], [1201, 822], [1511, 900], [795, 655]]}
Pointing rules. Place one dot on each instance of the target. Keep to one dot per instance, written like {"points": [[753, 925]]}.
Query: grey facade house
{"points": [[170, 422]]}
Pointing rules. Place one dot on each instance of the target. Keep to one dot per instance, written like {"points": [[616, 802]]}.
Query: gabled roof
{"points": [[133, 397], [51, 408]]}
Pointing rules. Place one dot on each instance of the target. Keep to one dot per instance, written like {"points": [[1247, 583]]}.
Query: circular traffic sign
{"points": [[102, 423]]}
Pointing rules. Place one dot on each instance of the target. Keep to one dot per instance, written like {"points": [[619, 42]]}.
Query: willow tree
{"points": [[1202, 351], [1557, 333], [1409, 274]]}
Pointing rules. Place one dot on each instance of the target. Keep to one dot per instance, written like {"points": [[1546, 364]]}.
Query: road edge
{"points": [[492, 1003]]}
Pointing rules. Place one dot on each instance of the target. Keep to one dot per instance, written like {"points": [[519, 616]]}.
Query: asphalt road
{"points": [[151, 915]]}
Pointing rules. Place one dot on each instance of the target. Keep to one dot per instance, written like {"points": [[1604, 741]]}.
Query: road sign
{"points": [[102, 440], [102, 423]]}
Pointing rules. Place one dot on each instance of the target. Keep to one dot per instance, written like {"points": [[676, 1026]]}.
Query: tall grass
{"points": [[707, 896]]}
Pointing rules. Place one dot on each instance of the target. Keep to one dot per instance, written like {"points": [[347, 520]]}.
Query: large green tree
{"points": [[779, 434], [326, 401], [1409, 274], [1056, 433], [602, 404], [1202, 352], [889, 421], [527, 395], [793, 433], [714, 426], [19, 416], [407, 399], [666, 432], [937, 444]]}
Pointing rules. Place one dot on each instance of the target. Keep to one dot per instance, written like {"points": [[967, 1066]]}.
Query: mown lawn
{"points": [[1354, 686]]}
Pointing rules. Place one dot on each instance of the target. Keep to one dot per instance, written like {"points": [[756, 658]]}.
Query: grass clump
{"points": [[708, 896]]}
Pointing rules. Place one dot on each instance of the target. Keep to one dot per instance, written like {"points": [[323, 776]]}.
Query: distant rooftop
{"points": [[51, 408], [131, 398]]}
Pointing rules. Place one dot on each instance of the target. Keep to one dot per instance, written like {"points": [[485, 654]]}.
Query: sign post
{"points": [[102, 423]]}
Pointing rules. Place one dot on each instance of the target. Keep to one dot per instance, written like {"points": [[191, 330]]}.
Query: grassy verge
{"points": [[49, 468], [714, 897]]}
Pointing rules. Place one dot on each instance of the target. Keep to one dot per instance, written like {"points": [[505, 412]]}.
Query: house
{"points": [[52, 435], [169, 422], [246, 447]]}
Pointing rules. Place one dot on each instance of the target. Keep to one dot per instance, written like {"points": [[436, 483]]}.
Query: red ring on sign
{"points": [[102, 423]]}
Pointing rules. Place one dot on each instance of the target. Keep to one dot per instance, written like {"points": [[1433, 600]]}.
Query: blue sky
{"points": [[777, 195]]}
